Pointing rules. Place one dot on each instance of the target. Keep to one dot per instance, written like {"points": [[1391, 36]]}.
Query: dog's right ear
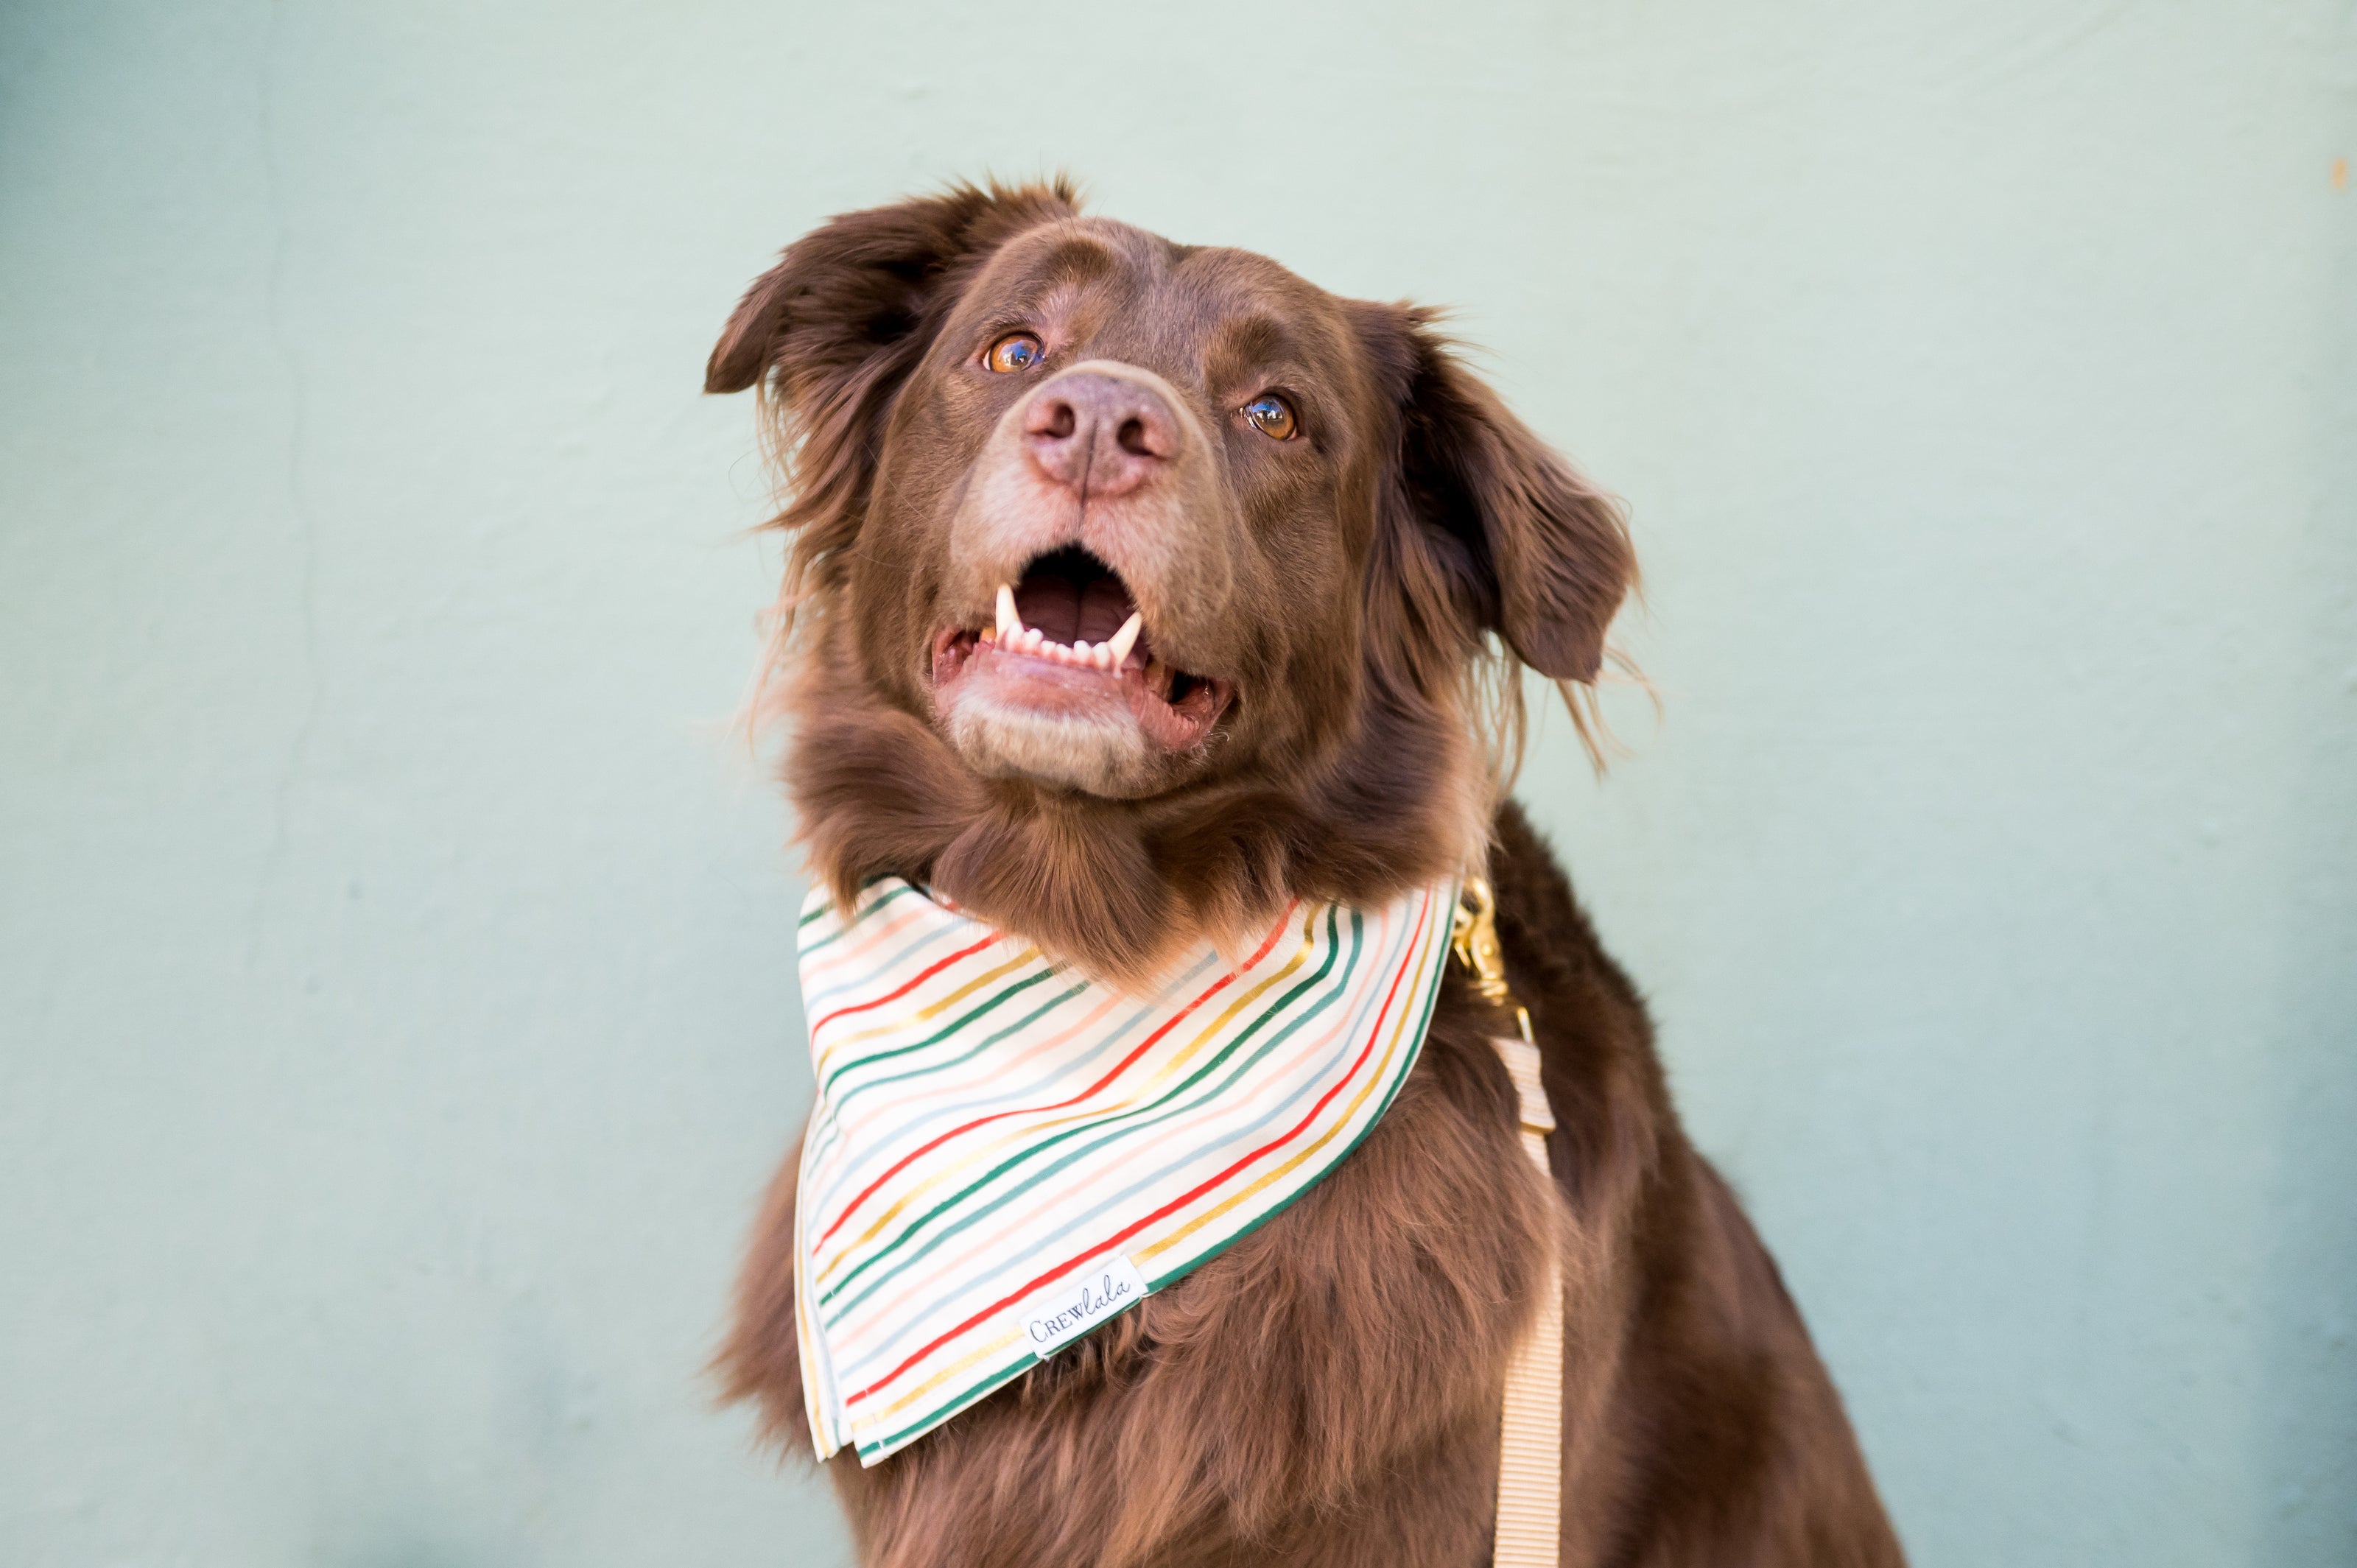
{"points": [[843, 316]]}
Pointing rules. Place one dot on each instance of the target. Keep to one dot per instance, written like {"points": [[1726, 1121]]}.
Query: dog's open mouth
{"points": [[1069, 642]]}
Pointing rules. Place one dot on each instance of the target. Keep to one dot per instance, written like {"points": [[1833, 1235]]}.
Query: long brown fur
{"points": [[1327, 1391]]}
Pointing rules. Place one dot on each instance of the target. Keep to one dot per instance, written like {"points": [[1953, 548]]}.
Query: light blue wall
{"points": [[395, 1018]]}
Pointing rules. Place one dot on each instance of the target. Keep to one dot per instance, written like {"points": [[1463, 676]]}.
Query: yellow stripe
{"points": [[882, 1416], [1356, 1101], [1014, 1135], [1300, 956], [929, 1010]]}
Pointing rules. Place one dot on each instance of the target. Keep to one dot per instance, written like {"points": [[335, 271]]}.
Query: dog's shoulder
{"points": [[1596, 1040]]}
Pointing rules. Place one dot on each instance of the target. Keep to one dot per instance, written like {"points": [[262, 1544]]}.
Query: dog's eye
{"points": [[1016, 351], [1271, 416]]}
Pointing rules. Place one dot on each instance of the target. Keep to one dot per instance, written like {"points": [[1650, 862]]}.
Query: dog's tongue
{"points": [[1072, 609]]}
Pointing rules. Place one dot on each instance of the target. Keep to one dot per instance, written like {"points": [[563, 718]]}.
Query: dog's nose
{"points": [[1100, 433]]}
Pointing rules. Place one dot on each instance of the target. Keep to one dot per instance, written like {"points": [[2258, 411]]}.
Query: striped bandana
{"points": [[1005, 1154]]}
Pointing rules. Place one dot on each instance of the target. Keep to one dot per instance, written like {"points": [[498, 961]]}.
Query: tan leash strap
{"points": [[1530, 1450], [1530, 1443]]}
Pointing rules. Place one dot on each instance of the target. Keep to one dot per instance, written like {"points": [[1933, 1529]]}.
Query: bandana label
{"points": [[1003, 1155], [1057, 1316]]}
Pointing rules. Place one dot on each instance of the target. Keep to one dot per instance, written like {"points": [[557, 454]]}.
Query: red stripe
{"points": [[1116, 1240], [1122, 1066], [864, 1006]]}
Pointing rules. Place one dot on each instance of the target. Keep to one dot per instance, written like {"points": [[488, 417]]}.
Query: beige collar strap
{"points": [[1529, 1448]]}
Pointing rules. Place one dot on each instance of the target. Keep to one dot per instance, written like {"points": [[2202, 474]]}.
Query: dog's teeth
{"points": [[1121, 641], [1083, 654], [1032, 637], [988, 639], [1009, 621]]}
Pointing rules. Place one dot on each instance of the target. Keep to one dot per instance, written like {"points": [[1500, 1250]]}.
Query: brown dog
{"points": [[1340, 551]]}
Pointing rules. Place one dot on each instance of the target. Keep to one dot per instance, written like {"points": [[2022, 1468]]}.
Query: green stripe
{"points": [[926, 1423], [1110, 1125], [935, 1038], [865, 911], [1415, 1050], [833, 1117]]}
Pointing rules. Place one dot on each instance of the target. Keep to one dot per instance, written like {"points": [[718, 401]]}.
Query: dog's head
{"points": [[1142, 585]]}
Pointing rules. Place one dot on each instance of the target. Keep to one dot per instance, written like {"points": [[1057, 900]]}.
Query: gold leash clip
{"points": [[1473, 936]]}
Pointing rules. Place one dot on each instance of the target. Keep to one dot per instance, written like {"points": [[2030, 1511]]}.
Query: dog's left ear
{"points": [[1486, 516]]}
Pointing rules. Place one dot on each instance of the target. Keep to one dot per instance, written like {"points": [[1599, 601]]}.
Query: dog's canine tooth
{"points": [[1009, 621], [1121, 641]]}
